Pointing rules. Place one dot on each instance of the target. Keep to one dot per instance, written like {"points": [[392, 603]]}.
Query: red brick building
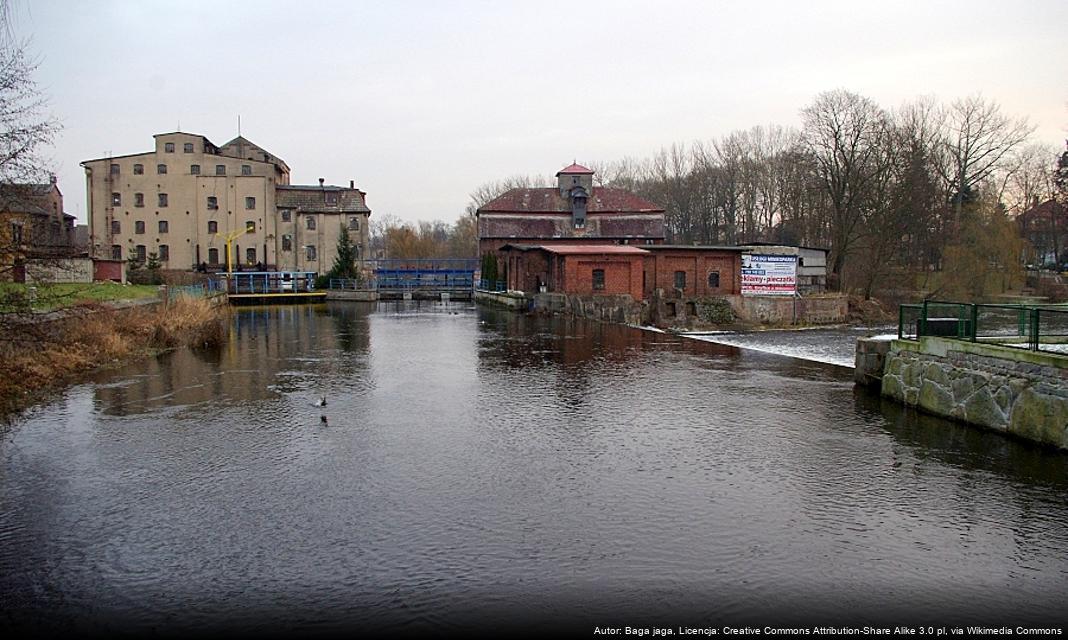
{"points": [[572, 212], [580, 269], [683, 271], [1045, 226]]}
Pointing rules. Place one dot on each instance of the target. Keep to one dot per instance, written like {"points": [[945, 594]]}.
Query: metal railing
{"points": [[406, 282], [199, 290], [1031, 327], [492, 285], [263, 282]]}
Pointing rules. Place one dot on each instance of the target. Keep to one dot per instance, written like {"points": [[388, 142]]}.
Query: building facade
{"points": [[187, 196], [33, 225], [575, 269], [572, 212]]}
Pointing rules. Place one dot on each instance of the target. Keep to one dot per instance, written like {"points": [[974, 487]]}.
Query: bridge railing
{"points": [[263, 282], [1035, 328], [492, 285]]}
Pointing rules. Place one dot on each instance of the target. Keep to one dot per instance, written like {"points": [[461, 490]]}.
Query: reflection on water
{"points": [[480, 468]]}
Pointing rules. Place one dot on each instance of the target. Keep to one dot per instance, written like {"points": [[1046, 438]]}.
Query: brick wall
{"points": [[661, 266], [622, 275]]}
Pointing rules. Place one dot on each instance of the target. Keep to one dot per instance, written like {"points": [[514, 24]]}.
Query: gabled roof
{"points": [[549, 200], [309, 198], [574, 168]]}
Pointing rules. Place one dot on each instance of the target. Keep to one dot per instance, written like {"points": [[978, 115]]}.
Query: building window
{"points": [[139, 226], [168, 147], [187, 147], [139, 199], [310, 222], [354, 224], [246, 169], [213, 202], [598, 279], [250, 255], [713, 279], [309, 252], [287, 243], [331, 197], [220, 169], [163, 199], [161, 168], [250, 227], [164, 252], [140, 252], [114, 169], [213, 256], [213, 227], [116, 227], [680, 279], [116, 252], [194, 169], [16, 233], [163, 226], [250, 202], [139, 169], [116, 199], [286, 215]]}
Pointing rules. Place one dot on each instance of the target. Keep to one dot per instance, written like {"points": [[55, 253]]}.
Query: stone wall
{"points": [[621, 309], [65, 270], [1004, 389]]}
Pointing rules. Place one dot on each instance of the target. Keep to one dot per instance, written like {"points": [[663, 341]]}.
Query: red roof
{"points": [[574, 168], [567, 249], [549, 200]]}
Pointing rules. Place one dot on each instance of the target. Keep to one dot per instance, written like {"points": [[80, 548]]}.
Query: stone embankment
{"points": [[1009, 390], [681, 313]]}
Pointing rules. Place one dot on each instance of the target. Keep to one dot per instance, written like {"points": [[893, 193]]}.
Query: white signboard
{"points": [[766, 275]]}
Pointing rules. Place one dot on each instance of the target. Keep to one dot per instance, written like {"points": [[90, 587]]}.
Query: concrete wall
{"points": [[826, 309], [1004, 389]]}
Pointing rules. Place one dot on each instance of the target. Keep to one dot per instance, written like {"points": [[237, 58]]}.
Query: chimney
{"points": [[352, 184], [52, 178], [321, 181]]}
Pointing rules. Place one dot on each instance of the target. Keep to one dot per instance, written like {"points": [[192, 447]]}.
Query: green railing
{"points": [[1036, 328]]}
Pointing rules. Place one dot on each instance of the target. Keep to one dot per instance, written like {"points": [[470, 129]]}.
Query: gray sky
{"points": [[420, 102]]}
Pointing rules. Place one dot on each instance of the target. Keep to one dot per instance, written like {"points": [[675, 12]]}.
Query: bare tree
{"points": [[977, 139], [845, 132], [490, 190]]}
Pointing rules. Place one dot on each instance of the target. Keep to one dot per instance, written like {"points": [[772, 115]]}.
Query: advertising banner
{"points": [[766, 275]]}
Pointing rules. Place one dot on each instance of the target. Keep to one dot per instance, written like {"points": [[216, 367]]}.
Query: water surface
{"points": [[480, 469]]}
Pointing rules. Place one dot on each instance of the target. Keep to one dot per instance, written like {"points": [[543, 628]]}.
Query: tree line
{"points": [[920, 189]]}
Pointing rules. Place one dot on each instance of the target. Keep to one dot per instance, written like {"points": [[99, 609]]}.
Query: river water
{"points": [[481, 470]]}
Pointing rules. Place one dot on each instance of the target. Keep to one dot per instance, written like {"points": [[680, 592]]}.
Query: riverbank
{"points": [[50, 353]]}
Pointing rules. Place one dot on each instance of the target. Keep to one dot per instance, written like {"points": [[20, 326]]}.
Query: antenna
{"points": [[239, 125]]}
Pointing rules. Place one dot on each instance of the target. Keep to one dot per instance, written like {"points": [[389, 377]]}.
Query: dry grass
{"points": [[99, 336]]}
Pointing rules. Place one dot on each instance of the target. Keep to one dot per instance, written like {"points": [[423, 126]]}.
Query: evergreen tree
{"points": [[345, 261]]}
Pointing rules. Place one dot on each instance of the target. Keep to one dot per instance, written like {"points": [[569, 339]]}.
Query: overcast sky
{"points": [[421, 102]]}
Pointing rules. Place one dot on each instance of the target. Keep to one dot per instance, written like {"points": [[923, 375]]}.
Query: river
{"points": [[476, 469]]}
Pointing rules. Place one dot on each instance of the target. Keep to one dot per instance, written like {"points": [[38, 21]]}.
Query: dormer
{"points": [[573, 176]]}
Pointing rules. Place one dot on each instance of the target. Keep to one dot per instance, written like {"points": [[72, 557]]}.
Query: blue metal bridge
{"points": [[418, 277]]}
